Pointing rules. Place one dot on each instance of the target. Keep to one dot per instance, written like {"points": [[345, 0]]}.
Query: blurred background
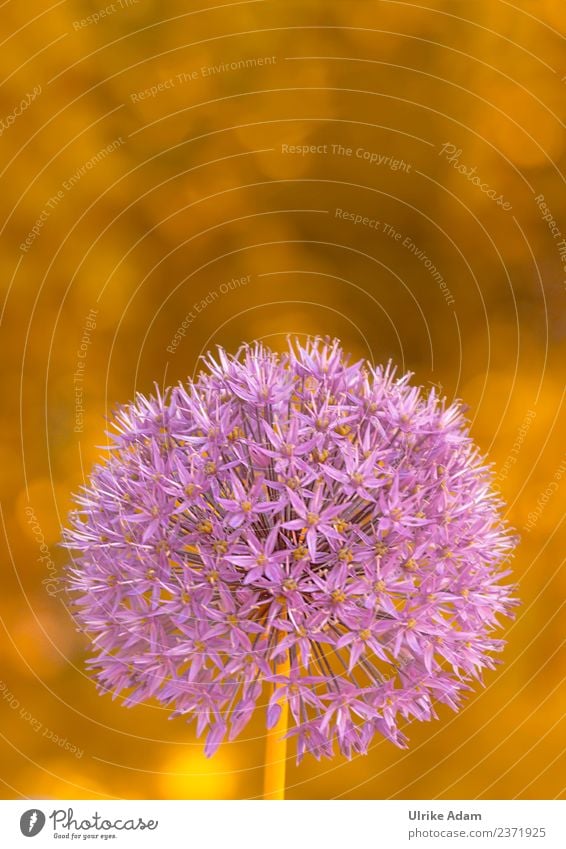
{"points": [[176, 176]]}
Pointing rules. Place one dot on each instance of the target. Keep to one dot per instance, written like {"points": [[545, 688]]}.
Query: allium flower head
{"points": [[291, 508]]}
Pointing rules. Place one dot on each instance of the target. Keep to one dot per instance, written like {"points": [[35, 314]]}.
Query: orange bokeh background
{"points": [[147, 160]]}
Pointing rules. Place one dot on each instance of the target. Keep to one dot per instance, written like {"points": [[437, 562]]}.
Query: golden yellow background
{"points": [[150, 147]]}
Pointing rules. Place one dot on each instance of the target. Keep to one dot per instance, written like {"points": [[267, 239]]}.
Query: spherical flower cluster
{"points": [[299, 521]]}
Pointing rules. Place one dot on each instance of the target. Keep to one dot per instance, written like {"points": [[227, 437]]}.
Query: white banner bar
{"points": [[285, 825]]}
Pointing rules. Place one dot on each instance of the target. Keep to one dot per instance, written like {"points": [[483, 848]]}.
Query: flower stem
{"points": [[276, 748]]}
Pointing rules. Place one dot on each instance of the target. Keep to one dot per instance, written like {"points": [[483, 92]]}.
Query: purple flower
{"points": [[297, 508]]}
